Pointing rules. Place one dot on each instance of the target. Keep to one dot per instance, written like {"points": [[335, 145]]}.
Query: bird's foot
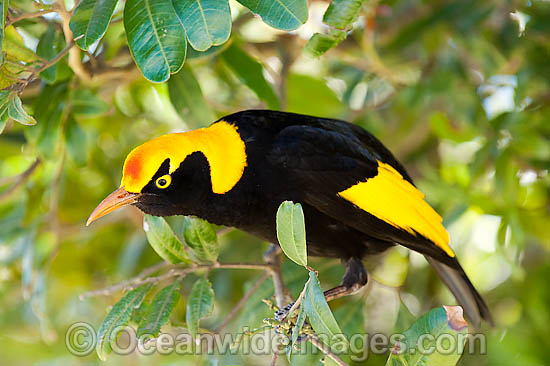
{"points": [[282, 313]]}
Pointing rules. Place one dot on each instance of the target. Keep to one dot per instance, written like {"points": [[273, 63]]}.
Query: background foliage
{"points": [[457, 89]]}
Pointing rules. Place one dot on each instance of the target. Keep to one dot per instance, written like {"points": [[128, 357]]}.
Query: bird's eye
{"points": [[163, 181]]}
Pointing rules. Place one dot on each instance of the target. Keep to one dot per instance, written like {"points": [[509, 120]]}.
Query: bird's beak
{"points": [[115, 200]]}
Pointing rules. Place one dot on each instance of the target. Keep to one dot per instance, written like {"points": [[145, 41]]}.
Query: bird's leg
{"points": [[354, 279]]}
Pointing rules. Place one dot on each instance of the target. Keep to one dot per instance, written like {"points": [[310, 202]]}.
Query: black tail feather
{"points": [[464, 292]]}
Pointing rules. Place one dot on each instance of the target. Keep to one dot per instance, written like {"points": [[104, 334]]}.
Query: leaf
{"points": [[163, 240], [299, 324], [14, 46], [342, 13], [281, 14], [156, 37], [199, 304], [48, 47], [446, 322], [207, 22], [250, 72], [18, 113], [319, 313], [4, 10], [90, 21], [85, 102], [291, 232], [48, 109], [118, 317], [186, 96], [4, 105], [302, 89], [76, 142], [159, 311], [201, 237], [319, 43]]}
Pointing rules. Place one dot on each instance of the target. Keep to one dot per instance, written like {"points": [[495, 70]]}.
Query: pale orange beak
{"points": [[115, 200]]}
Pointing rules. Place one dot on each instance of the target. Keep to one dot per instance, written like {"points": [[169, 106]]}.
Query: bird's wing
{"points": [[359, 184]]}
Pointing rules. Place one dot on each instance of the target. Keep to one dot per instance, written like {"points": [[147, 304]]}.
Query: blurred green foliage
{"points": [[457, 89]]}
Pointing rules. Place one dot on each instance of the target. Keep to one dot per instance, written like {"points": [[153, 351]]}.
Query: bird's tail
{"points": [[464, 292]]}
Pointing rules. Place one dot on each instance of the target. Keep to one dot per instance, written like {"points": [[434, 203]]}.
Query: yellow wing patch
{"points": [[220, 143], [394, 200]]}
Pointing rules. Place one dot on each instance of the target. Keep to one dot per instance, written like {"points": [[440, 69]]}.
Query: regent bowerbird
{"points": [[358, 200]]}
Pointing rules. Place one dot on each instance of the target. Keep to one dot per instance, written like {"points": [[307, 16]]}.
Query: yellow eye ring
{"points": [[164, 181]]}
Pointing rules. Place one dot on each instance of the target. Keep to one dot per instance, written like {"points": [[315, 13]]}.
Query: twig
{"points": [[75, 63], [28, 16], [273, 258], [323, 348], [20, 179], [173, 272], [241, 302]]}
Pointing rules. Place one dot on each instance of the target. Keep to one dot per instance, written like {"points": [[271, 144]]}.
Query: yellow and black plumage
{"points": [[357, 198]]}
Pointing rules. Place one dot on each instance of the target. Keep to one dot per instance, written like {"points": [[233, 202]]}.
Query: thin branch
{"points": [[323, 348], [28, 16], [241, 302], [273, 258], [173, 272], [20, 179]]}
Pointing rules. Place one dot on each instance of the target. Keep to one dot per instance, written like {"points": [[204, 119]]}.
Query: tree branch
{"points": [[323, 348]]}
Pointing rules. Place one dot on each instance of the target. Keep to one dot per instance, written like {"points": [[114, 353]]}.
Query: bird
{"points": [[358, 200]]}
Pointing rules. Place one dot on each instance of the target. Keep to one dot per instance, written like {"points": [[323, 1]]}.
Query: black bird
{"points": [[357, 198]]}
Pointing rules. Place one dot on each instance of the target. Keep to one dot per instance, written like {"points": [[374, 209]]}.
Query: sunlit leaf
{"points": [[156, 37], [282, 14], [90, 21], [291, 231], [201, 237], [342, 13], [163, 240], [3, 14], [207, 22], [200, 304], [118, 317], [319, 43], [159, 312]]}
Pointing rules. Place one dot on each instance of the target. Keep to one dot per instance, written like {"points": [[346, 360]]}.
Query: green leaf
{"points": [[320, 316], [446, 322], [4, 10], [291, 232], [319, 43], [18, 113], [4, 105], [48, 108], [342, 13], [156, 37], [186, 96], [250, 72], [302, 89], [159, 311], [199, 304], [90, 21], [48, 47], [76, 142], [299, 324], [282, 14], [163, 240], [201, 237], [118, 317], [87, 103], [207, 22]]}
